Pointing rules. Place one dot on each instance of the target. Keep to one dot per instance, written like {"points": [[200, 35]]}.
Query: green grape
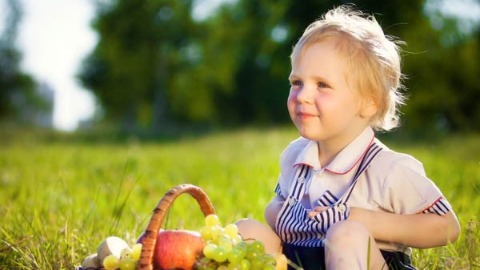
{"points": [[268, 259], [203, 264], [231, 230], [206, 233], [234, 266], [258, 246], [212, 220], [220, 254], [211, 232], [269, 267], [256, 263], [253, 255], [236, 255], [222, 267], [136, 252], [242, 245], [215, 231], [209, 250], [111, 262], [237, 239], [245, 264], [127, 264], [223, 240]]}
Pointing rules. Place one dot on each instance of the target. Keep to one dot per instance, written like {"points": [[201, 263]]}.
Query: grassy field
{"points": [[60, 198]]}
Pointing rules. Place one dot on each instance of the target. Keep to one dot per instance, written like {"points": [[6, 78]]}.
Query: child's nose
{"points": [[306, 94]]}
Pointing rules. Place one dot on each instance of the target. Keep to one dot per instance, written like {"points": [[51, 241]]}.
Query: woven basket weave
{"points": [[151, 233]]}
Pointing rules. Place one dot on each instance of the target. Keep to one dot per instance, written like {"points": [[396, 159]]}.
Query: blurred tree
{"points": [[139, 49], [259, 34], [154, 62], [208, 67], [17, 89], [443, 69]]}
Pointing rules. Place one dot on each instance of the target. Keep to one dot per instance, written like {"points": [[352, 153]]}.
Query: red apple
{"points": [[140, 238], [177, 249]]}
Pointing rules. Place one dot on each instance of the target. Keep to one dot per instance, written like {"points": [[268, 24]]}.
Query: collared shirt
{"points": [[394, 182]]}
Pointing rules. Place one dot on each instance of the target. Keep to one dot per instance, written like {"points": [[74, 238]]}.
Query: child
{"points": [[343, 199]]}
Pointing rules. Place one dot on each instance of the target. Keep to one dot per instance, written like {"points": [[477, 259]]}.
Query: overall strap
{"points": [[293, 224], [370, 154], [297, 189]]}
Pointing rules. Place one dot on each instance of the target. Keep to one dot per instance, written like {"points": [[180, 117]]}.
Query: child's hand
{"points": [[327, 216], [317, 210]]}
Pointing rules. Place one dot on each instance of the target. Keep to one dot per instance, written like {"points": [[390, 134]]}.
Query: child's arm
{"points": [[415, 230], [272, 210]]}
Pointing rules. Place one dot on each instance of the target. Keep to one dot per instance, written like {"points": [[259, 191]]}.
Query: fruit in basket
{"points": [[112, 245], [111, 262], [177, 249], [113, 253], [226, 247], [253, 229], [91, 262], [136, 251], [127, 264]]}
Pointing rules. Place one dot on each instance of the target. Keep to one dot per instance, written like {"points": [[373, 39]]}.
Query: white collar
{"points": [[344, 161]]}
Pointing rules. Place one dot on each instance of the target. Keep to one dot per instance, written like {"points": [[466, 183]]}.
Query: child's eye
{"points": [[296, 83], [322, 85]]}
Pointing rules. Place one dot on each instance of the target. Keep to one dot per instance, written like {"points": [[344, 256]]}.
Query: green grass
{"points": [[60, 198]]}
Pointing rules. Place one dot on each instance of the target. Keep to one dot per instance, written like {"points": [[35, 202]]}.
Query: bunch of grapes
{"points": [[226, 250], [127, 261]]}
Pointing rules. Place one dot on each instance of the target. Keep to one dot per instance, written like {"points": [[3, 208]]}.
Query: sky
{"points": [[55, 35]]}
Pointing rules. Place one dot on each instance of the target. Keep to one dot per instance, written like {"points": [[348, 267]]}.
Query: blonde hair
{"points": [[373, 59]]}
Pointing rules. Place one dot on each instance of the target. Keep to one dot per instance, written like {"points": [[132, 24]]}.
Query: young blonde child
{"points": [[343, 199]]}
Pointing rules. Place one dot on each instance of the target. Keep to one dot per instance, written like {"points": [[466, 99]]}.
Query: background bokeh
{"points": [[158, 64]]}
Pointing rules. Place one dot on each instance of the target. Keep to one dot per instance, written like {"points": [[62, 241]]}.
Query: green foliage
{"points": [[139, 50], [443, 81], [17, 89], [59, 200], [154, 63]]}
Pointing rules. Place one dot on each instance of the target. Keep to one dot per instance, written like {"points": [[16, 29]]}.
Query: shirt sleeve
{"points": [[287, 170], [408, 190]]}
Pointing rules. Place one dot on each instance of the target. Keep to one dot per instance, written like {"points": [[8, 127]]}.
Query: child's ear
{"points": [[369, 108]]}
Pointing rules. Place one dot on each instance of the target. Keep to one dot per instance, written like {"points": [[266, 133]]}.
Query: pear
{"points": [[111, 245], [91, 262]]}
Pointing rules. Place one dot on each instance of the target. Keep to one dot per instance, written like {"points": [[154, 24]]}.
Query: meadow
{"points": [[59, 198]]}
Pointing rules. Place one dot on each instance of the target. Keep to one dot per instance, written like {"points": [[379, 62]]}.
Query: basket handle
{"points": [[150, 236]]}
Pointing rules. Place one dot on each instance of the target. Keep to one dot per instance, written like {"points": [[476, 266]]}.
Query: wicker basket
{"points": [[151, 233]]}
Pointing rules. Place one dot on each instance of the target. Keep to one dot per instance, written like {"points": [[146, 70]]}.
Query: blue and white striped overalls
{"points": [[293, 224]]}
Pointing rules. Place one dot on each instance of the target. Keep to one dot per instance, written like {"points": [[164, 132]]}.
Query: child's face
{"points": [[322, 104]]}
